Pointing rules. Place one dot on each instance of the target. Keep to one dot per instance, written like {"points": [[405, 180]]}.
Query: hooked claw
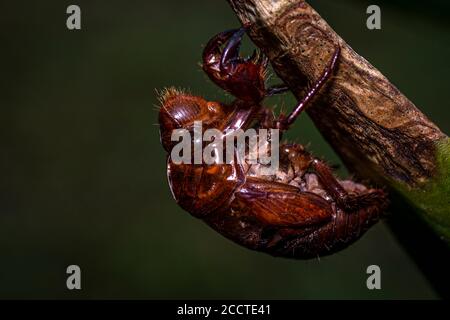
{"points": [[242, 77]]}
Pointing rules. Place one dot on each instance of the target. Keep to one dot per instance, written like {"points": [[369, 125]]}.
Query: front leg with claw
{"points": [[244, 78]]}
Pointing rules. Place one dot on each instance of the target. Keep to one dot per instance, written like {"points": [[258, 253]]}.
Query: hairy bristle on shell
{"points": [[167, 93]]}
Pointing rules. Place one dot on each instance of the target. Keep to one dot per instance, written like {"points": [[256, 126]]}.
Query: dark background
{"points": [[83, 174]]}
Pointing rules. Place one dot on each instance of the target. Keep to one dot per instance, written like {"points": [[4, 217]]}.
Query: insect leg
{"points": [[284, 122], [276, 89], [345, 200], [212, 52], [230, 53]]}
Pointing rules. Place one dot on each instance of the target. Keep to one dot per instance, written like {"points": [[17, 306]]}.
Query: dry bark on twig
{"points": [[374, 128]]}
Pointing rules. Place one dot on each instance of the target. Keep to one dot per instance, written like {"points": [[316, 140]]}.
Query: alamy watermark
{"points": [[374, 280], [73, 281], [73, 21], [374, 20], [235, 145]]}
